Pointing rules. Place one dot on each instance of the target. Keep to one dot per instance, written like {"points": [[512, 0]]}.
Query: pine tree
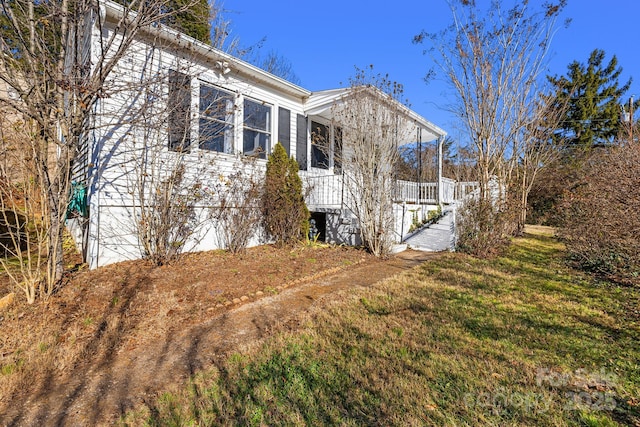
{"points": [[592, 93], [286, 217], [192, 18]]}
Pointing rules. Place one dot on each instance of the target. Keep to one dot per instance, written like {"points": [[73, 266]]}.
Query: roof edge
{"points": [[183, 41], [330, 96]]}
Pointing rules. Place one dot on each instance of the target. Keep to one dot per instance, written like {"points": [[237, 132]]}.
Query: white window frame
{"points": [[267, 131], [228, 123]]}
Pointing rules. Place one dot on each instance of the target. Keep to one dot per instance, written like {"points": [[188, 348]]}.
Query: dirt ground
{"points": [[116, 337]]}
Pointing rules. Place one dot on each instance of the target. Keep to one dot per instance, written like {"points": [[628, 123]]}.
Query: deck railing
{"points": [[413, 192], [465, 188], [328, 191], [323, 191]]}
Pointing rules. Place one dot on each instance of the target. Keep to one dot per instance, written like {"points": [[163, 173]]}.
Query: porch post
{"points": [[419, 177], [440, 183]]}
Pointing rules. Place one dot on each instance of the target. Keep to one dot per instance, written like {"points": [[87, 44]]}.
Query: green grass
{"points": [[518, 340]]}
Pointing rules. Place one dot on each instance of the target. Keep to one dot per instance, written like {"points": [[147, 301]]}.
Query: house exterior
{"points": [[173, 100]]}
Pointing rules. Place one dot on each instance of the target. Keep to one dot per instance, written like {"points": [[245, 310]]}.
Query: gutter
{"points": [[115, 13]]}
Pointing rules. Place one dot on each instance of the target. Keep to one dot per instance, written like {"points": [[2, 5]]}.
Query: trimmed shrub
{"points": [[286, 217]]}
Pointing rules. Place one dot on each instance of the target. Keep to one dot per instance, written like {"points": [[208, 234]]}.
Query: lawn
{"points": [[518, 340]]}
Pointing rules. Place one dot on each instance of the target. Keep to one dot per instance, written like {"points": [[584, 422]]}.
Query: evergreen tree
{"points": [[592, 93], [286, 217], [192, 18]]}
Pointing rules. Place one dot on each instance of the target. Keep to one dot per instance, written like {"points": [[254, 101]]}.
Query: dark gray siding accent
{"points": [[284, 129], [301, 141], [179, 111]]}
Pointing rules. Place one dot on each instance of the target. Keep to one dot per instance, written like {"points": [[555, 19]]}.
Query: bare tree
{"points": [[493, 63], [601, 225], [23, 226], [163, 187], [539, 149], [55, 81], [237, 205], [371, 121], [277, 65]]}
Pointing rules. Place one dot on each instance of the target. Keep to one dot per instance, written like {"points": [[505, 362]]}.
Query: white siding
{"points": [[131, 142]]}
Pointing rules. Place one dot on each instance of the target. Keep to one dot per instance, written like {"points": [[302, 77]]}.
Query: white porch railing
{"points": [[448, 190], [418, 193], [328, 191], [323, 191], [464, 188]]}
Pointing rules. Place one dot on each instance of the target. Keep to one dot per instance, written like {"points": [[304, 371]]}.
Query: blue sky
{"points": [[325, 40]]}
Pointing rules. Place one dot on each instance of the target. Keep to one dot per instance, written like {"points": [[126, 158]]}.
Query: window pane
{"points": [[319, 145], [257, 116], [257, 129], [213, 135], [215, 103], [255, 143], [216, 119], [337, 150]]}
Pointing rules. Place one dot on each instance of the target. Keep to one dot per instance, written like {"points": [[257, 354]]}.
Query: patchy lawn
{"points": [[110, 337], [519, 340]]}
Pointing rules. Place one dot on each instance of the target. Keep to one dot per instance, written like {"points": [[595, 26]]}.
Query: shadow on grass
{"points": [[456, 341]]}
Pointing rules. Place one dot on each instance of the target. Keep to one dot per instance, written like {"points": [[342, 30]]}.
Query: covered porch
{"points": [[328, 191]]}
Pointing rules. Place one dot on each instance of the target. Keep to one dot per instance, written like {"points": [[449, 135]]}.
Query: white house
{"points": [[173, 97]]}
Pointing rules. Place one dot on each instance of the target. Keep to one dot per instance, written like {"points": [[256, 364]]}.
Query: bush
{"points": [[481, 229], [601, 224], [238, 210], [286, 217], [547, 190]]}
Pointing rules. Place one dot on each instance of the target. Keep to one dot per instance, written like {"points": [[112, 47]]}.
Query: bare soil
{"points": [[114, 338]]}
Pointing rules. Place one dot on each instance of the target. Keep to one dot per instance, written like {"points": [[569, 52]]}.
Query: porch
{"points": [[328, 192]]}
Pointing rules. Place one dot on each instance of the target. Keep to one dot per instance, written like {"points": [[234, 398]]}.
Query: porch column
{"points": [[440, 195]]}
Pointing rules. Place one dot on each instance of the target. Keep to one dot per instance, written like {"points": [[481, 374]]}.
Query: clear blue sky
{"points": [[325, 40]]}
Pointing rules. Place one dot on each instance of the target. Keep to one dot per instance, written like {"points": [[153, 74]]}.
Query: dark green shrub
{"points": [[286, 217]]}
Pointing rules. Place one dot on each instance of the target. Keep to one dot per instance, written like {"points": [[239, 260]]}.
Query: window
{"points": [[337, 150], [257, 128], [284, 129], [301, 141], [179, 105], [319, 145], [216, 119]]}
